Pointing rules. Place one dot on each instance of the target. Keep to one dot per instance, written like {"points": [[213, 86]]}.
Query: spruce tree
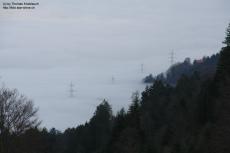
{"points": [[227, 38]]}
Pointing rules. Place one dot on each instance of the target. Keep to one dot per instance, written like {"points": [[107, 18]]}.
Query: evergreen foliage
{"points": [[227, 38], [206, 67]]}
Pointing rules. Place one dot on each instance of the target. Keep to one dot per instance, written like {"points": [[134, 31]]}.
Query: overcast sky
{"points": [[90, 41]]}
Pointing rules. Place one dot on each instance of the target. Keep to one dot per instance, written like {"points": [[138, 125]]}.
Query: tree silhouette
{"points": [[17, 114], [227, 38]]}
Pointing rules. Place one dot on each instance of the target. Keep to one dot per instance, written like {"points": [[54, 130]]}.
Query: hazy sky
{"points": [[90, 41]]}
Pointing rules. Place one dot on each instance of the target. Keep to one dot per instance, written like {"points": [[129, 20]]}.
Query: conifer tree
{"points": [[227, 38]]}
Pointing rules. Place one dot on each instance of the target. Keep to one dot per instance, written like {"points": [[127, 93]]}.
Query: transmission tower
{"points": [[71, 90], [142, 68], [113, 80], [172, 57]]}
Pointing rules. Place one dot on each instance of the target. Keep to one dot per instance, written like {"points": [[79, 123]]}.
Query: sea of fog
{"points": [[92, 82], [100, 46]]}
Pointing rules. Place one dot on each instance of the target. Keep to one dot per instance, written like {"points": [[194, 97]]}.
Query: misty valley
{"points": [[113, 76]]}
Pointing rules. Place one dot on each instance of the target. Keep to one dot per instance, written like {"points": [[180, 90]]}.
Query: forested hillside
{"points": [[190, 116], [205, 67]]}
